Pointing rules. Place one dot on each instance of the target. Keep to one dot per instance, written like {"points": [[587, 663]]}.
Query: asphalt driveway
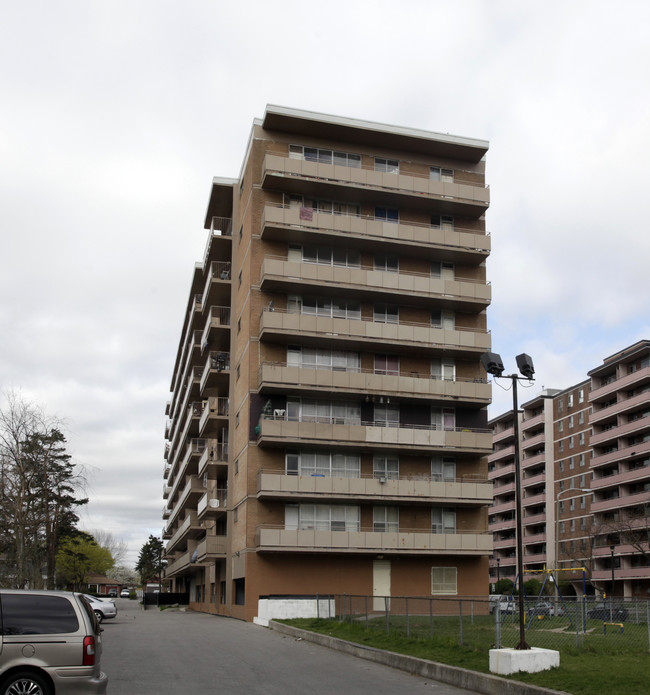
{"points": [[163, 653]]}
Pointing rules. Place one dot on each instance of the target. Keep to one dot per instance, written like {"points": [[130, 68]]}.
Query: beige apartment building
{"points": [[585, 462], [327, 430]]}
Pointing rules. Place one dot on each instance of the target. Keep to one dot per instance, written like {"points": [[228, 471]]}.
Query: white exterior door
{"points": [[380, 583]]}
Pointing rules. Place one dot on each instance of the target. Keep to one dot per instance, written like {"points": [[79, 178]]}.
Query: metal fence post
{"points": [[460, 610], [430, 617], [317, 608], [366, 607], [497, 626], [408, 625], [387, 609]]}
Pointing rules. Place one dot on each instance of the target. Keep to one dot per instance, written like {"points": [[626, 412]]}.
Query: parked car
{"points": [[125, 593], [50, 643], [605, 611], [112, 593], [104, 608], [546, 608], [506, 604]]}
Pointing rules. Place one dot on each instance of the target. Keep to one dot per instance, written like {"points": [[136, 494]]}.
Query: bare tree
{"points": [[117, 548], [38, 484]]}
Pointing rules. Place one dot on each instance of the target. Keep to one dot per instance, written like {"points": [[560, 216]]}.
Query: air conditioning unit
{"points": [[214, 504]]}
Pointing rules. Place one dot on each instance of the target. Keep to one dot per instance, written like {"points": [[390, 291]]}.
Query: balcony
{"points": [[614, 433], [279, 275], [617, 503], [216, 372], [217, 285], [619, 454], [212, 503], [597, 416], [277, 538], [189, 528], [277, 377], [414, 438], [214, 415], [211, 548], [214, 456], [306, 226], [464, 492], [192, 491], [501, 507], [621, 384], [282, 326], [216, 328], [300, 176], [622, 478]]}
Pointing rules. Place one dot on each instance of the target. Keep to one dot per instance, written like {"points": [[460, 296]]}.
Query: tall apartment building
{"points": [[327, 428], [585, 480], [620, 463]]}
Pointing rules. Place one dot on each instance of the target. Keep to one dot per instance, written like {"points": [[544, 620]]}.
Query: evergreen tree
{"points": [[150, 560]]}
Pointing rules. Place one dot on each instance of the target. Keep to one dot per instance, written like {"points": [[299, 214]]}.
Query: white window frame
{"points": [[385, 466], [443, 468], [443, 368], [443, 520], [443, 319], [441, 174], [386, 166], [385, 519], [444, 581]]}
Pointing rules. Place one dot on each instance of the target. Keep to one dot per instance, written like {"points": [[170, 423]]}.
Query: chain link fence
{"points": [[553, 622]]}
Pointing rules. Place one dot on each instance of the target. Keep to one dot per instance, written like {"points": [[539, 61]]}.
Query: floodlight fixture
{"points": [[525, 365], [492, 363]]}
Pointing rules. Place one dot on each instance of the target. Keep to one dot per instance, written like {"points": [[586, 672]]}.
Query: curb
{"points": [[483, 683]]}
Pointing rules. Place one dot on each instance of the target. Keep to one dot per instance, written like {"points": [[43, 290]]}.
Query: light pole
{"points": [[611, 593], [493, 365], [498, 570]]}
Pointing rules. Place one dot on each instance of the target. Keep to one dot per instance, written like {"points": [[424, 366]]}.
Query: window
{"points": [[387, 263], [385, 519], [572, 503], [570, 401], [444, 580], [581, 417], [329, 412], [443, 468], [581, 438], [571, 463], [37, 615], [387, 166], [322, 156], [314, 358], [387, 214], [443, 319], [326, 464], [439, 174], [572, 525], [321, 517], [581, 396], [324, 306], [386, 415], [561, 466], [583, 502], [571, 442], [386, 313], [387, 364], [570, 421], [443, 520], [581, 459], [560, 426], [443, 368], [445, 222], [560, 445], [560, 406], [325, 255], [442, 270], [385, 467], [443, 418], [583, 523]]}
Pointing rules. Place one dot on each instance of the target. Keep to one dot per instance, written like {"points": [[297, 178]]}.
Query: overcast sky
{"points": [[116, 115]]}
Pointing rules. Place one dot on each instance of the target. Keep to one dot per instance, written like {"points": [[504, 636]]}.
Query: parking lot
{"points": [[152, 653]]}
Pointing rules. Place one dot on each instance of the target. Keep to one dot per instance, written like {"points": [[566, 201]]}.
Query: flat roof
{"points": [[311, 123]]}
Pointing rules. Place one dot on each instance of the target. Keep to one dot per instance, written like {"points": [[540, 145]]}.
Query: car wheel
{"points": [[100, 617], [25, 683]]}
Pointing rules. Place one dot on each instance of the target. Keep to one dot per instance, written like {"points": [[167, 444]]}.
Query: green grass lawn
{"points": [[616, 664]]}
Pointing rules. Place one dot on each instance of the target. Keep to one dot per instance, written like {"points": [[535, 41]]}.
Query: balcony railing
{"points": [[406, 542], [354, 432], [283, 377], [422, 335], [464, 293]]}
